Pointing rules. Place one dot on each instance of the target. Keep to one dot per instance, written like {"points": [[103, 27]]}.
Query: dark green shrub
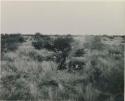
{"points": [[80, 52], [10, 42], [42, 41]]}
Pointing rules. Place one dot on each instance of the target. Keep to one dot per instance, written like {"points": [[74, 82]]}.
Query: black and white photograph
{"points": [[62, 51]]}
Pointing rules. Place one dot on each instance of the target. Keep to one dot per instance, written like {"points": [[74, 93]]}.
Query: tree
{"points": [[62, 46]]}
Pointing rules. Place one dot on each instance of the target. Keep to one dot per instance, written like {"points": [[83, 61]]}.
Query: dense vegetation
{"points": [[56, 68]]}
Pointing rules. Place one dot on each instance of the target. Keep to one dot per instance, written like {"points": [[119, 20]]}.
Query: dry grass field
{"points": [[62, 68]]}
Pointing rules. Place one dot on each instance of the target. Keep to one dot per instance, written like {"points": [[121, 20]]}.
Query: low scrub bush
{"points": [[10, 42]]}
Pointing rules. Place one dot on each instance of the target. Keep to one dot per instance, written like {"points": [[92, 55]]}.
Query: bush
{"points": [[42, 41], [10, 42]]}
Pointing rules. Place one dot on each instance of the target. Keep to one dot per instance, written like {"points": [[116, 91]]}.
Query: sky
{"points": [[65, 17]]}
